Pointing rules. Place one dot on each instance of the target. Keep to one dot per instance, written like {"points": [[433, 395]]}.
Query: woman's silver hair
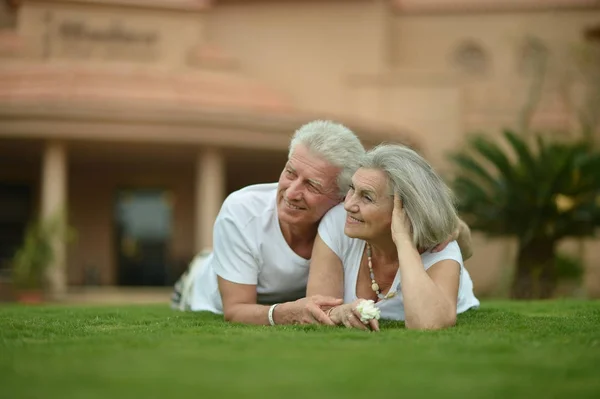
{"points": [[427, 200], [333, 142]]}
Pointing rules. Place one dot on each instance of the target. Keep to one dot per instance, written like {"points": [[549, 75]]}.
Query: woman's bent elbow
{"points": [[440, 324], [228, 314], [451, 321]]}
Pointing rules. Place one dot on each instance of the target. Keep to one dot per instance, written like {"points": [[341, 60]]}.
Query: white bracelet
{"points": [[271, 309]]}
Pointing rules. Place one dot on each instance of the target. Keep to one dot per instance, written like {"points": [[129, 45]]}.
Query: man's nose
{"points": [[294, 191]]}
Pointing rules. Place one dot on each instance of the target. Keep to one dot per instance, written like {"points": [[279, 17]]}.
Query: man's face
{"points": [[307, 188]]}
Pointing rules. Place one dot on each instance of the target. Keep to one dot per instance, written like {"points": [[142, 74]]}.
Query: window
{"points": [[532, 56], [470, 58], [8, 13]]}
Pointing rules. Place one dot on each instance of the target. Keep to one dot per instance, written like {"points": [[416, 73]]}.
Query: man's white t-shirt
{"points": [[249, 248], [350, 251]]}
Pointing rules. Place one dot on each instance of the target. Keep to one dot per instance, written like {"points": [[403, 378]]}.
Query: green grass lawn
{"points": [[503, 350]]}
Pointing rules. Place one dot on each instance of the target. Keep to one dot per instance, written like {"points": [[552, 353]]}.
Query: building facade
{"points": [[118, 109]]}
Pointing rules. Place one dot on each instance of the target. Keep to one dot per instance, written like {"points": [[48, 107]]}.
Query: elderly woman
{"points": [[377, 246]]}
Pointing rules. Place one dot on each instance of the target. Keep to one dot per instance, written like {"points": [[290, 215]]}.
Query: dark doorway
{"points": [[16, 205], [143, 235]]}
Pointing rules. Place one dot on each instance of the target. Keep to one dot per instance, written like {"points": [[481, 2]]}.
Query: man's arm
{"points": [[239, 305], [238, 271], [236, 267]]}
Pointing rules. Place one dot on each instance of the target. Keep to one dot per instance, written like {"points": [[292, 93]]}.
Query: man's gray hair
{"points": [[427, 200], [333, 142]]}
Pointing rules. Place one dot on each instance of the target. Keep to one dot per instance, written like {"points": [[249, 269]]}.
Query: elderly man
{"points": [[264, 234]]}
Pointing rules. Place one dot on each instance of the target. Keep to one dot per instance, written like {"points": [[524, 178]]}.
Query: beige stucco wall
{"points": [[334, 59], [427, 40], [303, 48]]}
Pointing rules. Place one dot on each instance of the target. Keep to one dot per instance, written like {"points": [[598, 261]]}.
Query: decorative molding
{"points": [[184, 5], [109, 122], [211, 57], [134, 85], [466, 6], [402, 77]]}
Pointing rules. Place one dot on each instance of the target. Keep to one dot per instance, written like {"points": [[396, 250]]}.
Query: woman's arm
{"points": [[326, 275], [429, 296]]}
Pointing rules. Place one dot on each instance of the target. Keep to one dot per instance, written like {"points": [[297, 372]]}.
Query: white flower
{"points": [[368, 310]]}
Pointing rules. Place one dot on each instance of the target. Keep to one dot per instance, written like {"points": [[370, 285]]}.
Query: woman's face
{"points": [[369, 205]]}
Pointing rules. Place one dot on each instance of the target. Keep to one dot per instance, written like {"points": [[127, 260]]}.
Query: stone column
{"points": [[210, 193], [53, 205]]}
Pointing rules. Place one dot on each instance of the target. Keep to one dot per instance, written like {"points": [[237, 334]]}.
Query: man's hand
{"points": [[462, 235], [309, 310], [442, 246]]}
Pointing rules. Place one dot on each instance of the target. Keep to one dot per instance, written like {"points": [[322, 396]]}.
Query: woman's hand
{"points": [[348, 316], [401, 226]]}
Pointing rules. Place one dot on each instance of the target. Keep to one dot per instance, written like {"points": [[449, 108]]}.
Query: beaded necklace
{"points": [[374, 285]]}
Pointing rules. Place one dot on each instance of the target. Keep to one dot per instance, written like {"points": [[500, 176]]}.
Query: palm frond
{"points": [[520, 147], [552, 190], [494, 154], [471, 166]]}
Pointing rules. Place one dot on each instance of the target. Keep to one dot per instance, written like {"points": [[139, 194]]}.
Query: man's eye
{"points": [[351, 187], [366, 197], [313, 189]]}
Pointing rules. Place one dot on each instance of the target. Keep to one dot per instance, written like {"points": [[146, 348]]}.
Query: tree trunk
{"points": [[535, 276]]}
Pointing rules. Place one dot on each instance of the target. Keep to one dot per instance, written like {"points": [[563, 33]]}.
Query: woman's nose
{"points": [[350, 204]]}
